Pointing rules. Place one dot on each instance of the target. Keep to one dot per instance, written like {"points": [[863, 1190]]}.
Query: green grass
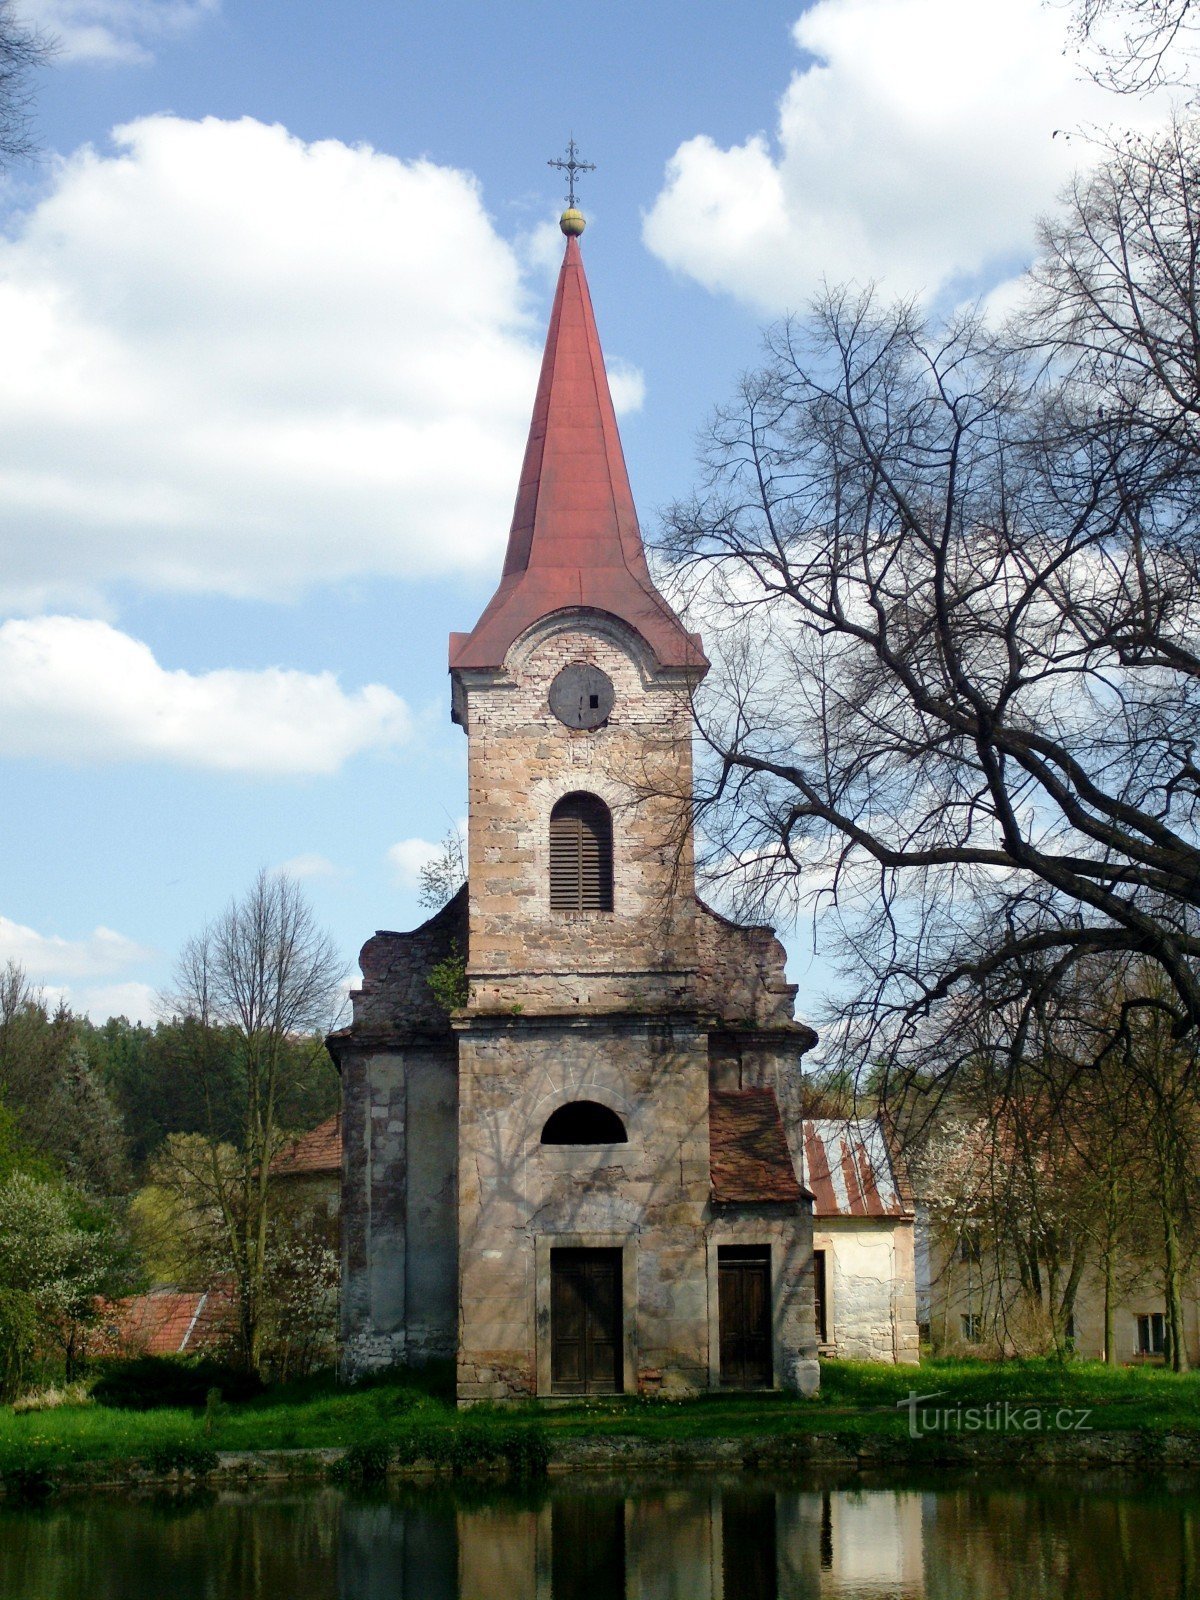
{"points": [[412, 1414]]}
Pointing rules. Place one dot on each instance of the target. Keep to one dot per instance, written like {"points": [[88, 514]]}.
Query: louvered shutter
{"points": [[581, 858]]}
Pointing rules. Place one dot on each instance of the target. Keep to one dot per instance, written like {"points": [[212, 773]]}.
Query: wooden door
{"points": [[587, 1547], [585, 1321], [748, 1557], [819, 1301], [744, 1296]]}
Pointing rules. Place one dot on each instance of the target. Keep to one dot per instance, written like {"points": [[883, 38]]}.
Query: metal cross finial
{"points": [[571, 166]]}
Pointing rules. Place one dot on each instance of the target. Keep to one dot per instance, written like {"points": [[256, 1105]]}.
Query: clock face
{"points": [[582, 696]]}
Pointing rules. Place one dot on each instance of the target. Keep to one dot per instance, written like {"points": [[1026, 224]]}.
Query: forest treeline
{"points": [[134, 1156]]}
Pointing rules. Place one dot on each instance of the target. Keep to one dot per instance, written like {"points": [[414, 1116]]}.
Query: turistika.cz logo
{"points": [[995, 1416]]}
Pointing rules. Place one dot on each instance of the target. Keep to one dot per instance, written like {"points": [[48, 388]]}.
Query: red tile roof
{"points": [[853, 1170], [751, 1163], [165, 1322], [574, 539], [318, 1151]]}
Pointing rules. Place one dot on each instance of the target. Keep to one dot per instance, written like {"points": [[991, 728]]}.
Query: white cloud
{"points": [[627, 383], [48, 957], [542, 248], [137, 1001], [916, 149], [114, 32], [241, 364], [408, 856], [77, 689], [308, 865]]}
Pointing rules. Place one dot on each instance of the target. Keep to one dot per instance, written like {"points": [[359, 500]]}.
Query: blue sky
{"points": [[271, 310]]}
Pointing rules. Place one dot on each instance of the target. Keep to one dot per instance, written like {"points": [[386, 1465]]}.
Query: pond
{"points": [[714, 1539]]}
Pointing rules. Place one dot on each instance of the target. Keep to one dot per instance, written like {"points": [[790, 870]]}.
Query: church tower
{"points": [[581, 1179]]}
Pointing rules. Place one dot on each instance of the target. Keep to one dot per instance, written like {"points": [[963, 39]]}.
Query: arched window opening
{"points": [[584, 1122], [581, 854]]}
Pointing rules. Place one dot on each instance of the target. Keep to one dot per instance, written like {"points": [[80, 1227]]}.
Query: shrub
{"points": [[471, 1446], [181, 1455], [448, 980], [50, 1398], [149, 1382], [363, 1463], [26, 1482]]}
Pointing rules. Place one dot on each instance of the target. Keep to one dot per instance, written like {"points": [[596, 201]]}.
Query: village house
{"points": [[1009, 1227], [570, 1168], [863, 1240], [972, 1301]]}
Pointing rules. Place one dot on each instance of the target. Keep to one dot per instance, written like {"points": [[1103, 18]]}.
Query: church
{"points": [[567, 1162]]}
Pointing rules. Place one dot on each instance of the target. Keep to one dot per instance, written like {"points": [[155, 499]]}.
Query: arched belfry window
{"points": [[584, 1122], [581, 854]]}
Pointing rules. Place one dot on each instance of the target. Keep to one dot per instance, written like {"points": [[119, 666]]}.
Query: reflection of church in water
{"points": [[702, 1542], [582, 1180]]}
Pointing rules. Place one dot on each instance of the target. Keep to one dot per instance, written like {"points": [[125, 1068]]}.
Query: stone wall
{"points": [[649, 1195], [742, 974], [642, 955], [870, 1287], [400, 1150], [394, 998]]}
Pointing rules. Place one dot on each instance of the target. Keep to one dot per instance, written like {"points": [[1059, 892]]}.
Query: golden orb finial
{"points": [[572, 222]]}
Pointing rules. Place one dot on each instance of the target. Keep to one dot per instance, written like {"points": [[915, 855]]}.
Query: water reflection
{"points": [[741, 1540]]}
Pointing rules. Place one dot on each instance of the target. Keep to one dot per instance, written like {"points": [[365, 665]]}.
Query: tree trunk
{"points": [[1176, 1336], [1110, 1353], [1111, 1221]]}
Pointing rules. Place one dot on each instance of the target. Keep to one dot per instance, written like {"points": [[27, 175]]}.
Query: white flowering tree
{"points": [[58, 1256]]}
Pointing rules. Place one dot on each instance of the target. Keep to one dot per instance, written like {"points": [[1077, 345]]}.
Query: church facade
{"points": [[579, 1179]]}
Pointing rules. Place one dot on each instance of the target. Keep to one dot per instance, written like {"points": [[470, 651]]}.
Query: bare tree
{"points": [[444, 876], [1114, 294], [267, 974], [950, 579], [1135, 45], [1061, 1171], [22, 51]]}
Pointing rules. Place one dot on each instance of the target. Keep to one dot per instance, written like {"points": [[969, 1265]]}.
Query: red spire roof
{"points": [[574, 539]]}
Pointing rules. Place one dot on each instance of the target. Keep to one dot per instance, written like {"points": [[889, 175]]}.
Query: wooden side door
{"points": [[748, 1545], [820, 1303], [587, 1547], [744, 1308], [585, 1321]]}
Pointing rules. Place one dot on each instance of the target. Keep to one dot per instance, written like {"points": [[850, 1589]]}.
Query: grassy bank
{"points": [[413, 1416]]}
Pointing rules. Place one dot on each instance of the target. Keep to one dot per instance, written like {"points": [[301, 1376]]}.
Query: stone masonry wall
{"points": [[742, 973], [642, 955], [650, 1194], [400, 1152], [870, 1287]]}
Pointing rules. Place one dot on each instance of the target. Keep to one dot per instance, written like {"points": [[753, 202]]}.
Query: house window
{"points": [[972, 1327], [1152, 1334], [819, 1296], [581, 854], [969, 1248], [584, 1122]]}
